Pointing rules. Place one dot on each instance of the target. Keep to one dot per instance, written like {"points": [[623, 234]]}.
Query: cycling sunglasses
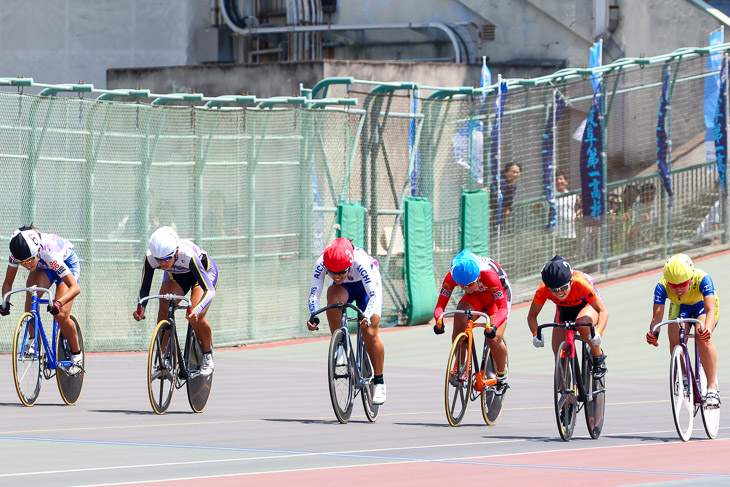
{"points": [[28, 260], [681, 284], [560, 289], [341, 273], [166, 259]]}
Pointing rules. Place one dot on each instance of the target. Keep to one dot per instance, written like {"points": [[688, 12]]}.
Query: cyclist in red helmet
{"points": [[355, 278]]}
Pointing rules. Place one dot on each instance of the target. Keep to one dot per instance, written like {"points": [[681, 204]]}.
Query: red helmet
{"points": [[338, 255]]}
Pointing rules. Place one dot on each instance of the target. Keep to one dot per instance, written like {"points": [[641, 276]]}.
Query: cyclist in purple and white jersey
{"points": [[186, 267], [49, 259], [355, 277]]}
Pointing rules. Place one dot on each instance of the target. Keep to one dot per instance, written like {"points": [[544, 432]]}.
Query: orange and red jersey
{"points": [[492, 296]]}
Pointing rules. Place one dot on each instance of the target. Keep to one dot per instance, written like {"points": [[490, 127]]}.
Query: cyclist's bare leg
{"points": [[375, 346], [460, 319], [558, 338], [201, 326], [499, 348], [708, 356], [588, 315], [63, 318], [38, 278], [335, 294], [168, 287]]}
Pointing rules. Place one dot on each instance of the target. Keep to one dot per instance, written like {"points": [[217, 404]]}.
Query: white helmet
{"points": [[163, 243]]}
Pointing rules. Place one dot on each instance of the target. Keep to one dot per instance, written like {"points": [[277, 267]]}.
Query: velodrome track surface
{"points": [[269, 420]]}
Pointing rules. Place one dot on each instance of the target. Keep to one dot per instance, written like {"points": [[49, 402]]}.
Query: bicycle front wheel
{"points": [[681, 396], [341, 376], [566, 403], [27, 360], [595, 405], [459, 372], [69, 385], [491, 402], [371, 410], [162, 367], [199, 385]]}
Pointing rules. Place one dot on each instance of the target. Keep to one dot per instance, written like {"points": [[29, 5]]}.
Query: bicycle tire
{"points": [[566, 404], [491, 402], [371, 410], [341, 377], [69, 386], [458, 382], [26, 370], [595, 406], [198, 385], [682, 398], [162, 367]]}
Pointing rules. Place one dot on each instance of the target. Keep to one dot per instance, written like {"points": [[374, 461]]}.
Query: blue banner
{"points": [[712, 85], [416, 170], [494, 152], [661, 138], [720, 130], [547, 156], [591, 166]]}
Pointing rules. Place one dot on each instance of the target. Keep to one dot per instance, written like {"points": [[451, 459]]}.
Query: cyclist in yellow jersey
{"points": [[692, 294]]}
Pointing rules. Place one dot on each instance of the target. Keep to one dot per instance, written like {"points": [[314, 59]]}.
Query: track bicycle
{"points": [[575, 387], [688, 396], [466, 377], [169, 366], [349, 369], [34, 358]]}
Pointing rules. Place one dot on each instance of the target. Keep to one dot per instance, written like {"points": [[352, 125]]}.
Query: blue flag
{"points": [[495, 153], [591, 166], [596, 58], [661, 138], [416, 171], [720, 130], [547, 156], [486, 78]]}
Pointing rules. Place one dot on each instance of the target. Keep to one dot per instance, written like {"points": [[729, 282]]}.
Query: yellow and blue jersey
{"points": [[692, 304]]}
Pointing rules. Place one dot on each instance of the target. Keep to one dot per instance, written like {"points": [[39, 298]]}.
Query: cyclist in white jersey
{"points": [[186, 267], [355, 277], [49, 259]]}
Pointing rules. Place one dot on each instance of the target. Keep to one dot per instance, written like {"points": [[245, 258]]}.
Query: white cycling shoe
{"points": [[379, 394]]}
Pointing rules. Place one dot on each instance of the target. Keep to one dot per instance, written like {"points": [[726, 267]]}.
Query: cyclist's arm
{"points": [[371, 281], [315, 290], [73, 289], [499, 297], [708, 296], [147, 273], [444, 296], [202, 278], [657, 314], [535, 309], [9, 279]]}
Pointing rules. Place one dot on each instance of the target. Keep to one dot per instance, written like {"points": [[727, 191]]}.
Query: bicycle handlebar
{"points": [[468, 313], [678, 321], [32, 289], [568, 325], [341, 306], [167, 297]]}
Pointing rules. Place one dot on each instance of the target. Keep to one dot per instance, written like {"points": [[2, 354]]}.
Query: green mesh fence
{"points": [[259, 188]]}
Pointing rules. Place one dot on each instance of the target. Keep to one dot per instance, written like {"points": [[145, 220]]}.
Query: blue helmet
{"points": [[465, 268]]}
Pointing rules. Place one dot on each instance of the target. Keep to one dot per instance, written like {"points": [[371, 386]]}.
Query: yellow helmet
{"points": [[678, 268]]}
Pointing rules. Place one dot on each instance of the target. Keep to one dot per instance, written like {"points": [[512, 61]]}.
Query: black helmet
{"points": [[557, 272]]}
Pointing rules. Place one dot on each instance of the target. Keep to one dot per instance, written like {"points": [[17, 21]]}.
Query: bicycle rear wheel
{"points": [[595, 405], [566, 403], [162, 367], [341, 377], [198, 385], [69, 385], [491, 402], [681, 397], [371, 410], [458, 380], [27, 366]]}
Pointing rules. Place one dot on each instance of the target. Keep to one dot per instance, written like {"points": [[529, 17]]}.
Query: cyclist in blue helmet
{"points": [[487, 290]]}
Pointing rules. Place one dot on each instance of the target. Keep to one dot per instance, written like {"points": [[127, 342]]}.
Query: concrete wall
{"points": [[62, 41]]}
